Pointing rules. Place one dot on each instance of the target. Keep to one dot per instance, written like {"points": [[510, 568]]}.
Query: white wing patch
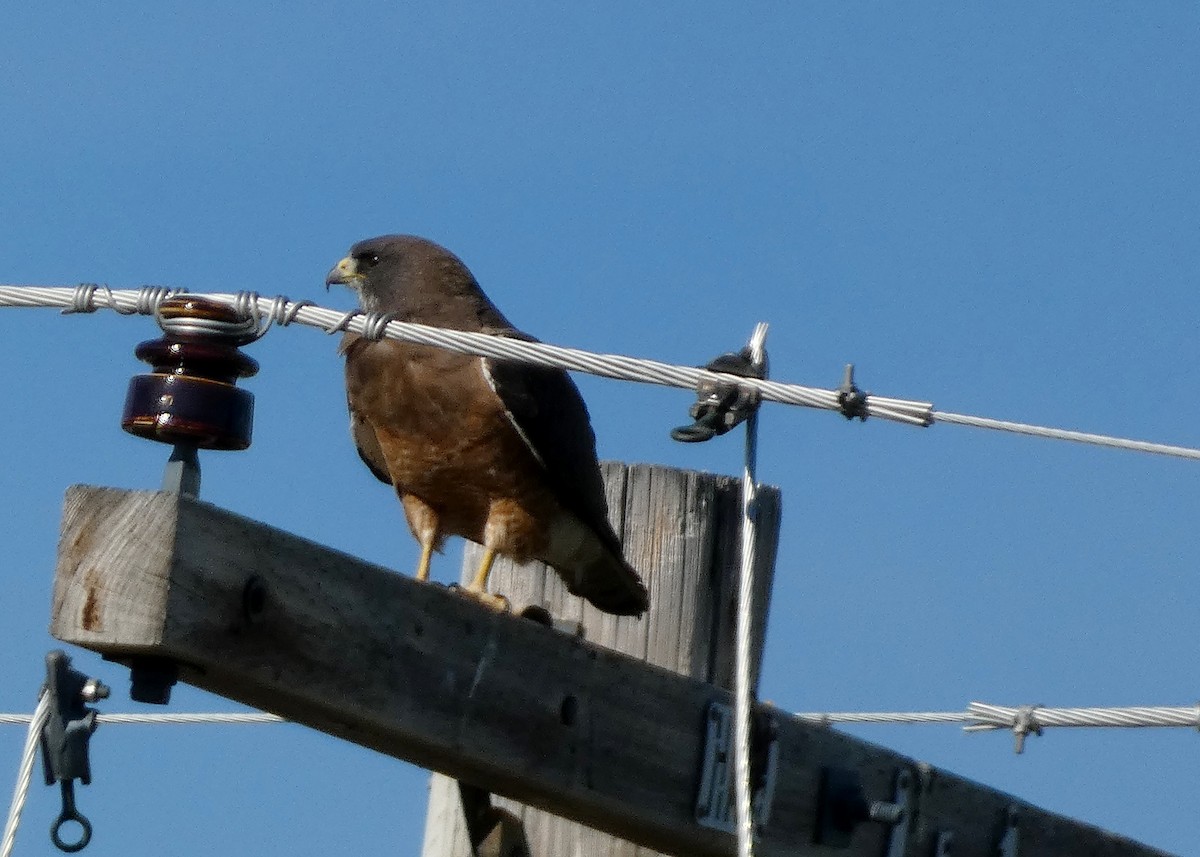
{"points": [[491, 382]]}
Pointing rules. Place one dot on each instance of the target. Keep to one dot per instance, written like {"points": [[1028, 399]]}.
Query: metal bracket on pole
{"points": [[1010, 841], [714, 800], [64, 741], [903, 798]]}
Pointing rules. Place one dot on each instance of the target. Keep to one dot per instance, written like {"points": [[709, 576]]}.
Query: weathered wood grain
{"points": [[682, 531], [417, 672]]}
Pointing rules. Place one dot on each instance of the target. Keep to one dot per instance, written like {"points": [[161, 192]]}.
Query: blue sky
{"points": [[994, 209]]}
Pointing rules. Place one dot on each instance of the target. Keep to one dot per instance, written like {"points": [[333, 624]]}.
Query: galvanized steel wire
{"points": [[743, 804], [282, 311], [170, 718], [265, 312], [37, 722], [977, 717], [24, 774], [985, 717]]}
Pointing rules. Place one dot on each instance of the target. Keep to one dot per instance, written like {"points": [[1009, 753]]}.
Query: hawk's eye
{"points": [[368, 260]]}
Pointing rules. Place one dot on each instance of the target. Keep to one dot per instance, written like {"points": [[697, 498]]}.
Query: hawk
{"points": [[497, 452]]}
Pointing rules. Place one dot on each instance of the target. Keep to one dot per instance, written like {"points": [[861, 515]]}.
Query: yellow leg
{"points": [[423, 565], [423, 522], [479, 584], [477, 588]]}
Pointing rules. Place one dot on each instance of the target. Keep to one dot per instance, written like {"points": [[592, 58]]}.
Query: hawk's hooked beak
{"points": [[344, 273]]}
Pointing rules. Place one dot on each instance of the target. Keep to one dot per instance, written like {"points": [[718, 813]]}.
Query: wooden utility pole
{"points": [[545, 718], [681, 529]]}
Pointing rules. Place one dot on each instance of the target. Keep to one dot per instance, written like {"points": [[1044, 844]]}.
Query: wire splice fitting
{"points": [[1025, 723], [720, 405], [191, 399], [64, 741], [851, 400]]}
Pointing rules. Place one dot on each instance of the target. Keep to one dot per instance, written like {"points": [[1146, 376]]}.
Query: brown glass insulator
{"points": [[190, 397]]}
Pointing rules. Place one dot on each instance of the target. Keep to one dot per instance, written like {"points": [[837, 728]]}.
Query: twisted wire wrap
{"points": [[88, 297]]}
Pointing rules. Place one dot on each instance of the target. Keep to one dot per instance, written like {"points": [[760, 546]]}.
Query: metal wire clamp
{"points": [[64, 741], [721, 405]]}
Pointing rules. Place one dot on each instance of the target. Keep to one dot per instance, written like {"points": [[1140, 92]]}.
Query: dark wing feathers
{"points": [[548, 412], [550, 415], [368, 447], [361, 431]]}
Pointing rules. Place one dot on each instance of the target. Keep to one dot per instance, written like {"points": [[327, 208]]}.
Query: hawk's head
{"points": [[414, 279], [401, 274]]}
